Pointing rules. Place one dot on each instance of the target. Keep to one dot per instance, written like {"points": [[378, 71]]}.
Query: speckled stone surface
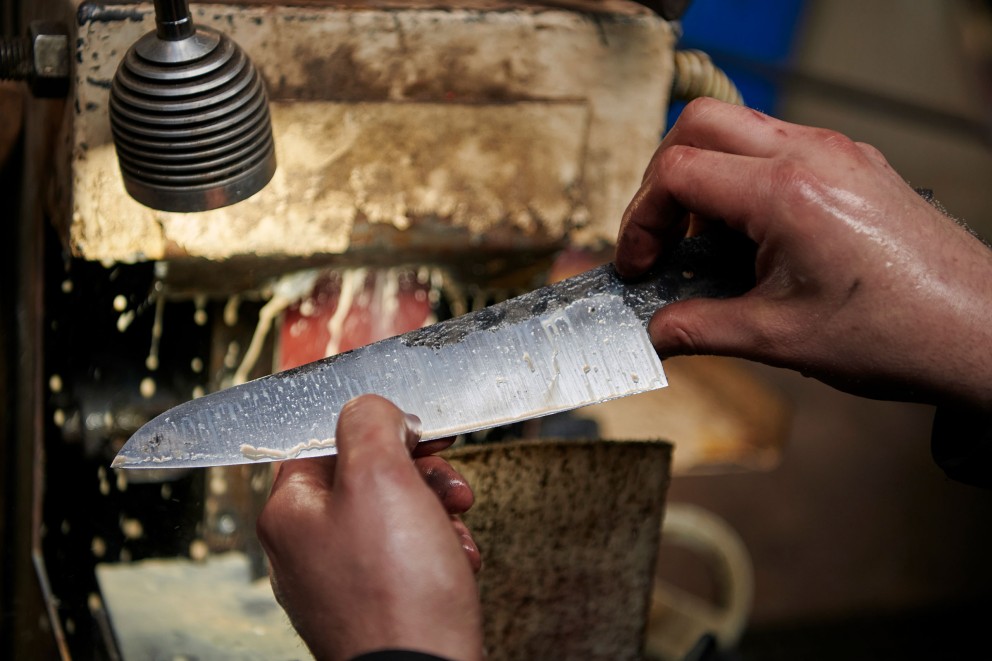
{"points": [[569, 535]]}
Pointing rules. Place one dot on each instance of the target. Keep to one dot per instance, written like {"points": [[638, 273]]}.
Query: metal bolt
{"points": [[41, 59]]}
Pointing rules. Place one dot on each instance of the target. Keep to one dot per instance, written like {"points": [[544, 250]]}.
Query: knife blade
{"points": [[578, 342]]}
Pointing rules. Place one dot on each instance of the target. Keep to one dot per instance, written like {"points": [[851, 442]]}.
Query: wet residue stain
{"points": [[96, 13]]}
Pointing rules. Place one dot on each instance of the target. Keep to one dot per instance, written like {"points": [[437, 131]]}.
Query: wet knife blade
{"points": [[578, 342]]}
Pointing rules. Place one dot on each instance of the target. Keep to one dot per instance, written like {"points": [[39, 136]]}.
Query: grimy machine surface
{"points": [[429, 157]]}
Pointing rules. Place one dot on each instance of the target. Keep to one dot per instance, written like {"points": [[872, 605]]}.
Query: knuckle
{"points": [[686, 339], [872, 152], [673, 157], [697, 109], [795, 180], [678, 335], [836, 142]]}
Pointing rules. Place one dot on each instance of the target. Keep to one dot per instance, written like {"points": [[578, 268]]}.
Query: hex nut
{"points": [[50, 59]]}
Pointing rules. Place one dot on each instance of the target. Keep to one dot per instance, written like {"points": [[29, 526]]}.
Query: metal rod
{"points": [[173, 20]]}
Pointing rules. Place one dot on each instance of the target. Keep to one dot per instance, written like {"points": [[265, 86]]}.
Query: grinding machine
{"points": [[209, 193]]}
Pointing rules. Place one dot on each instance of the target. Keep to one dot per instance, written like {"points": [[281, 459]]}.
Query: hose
{"points": [[696, 76]]}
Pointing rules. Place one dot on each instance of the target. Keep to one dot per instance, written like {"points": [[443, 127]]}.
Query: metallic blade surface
{"points": [[575, 343], [592, 350]]}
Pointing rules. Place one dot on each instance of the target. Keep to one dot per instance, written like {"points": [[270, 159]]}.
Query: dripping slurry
{"points": [[287, 290], [479, 299], [151, 362], [383, 303], [231, 310], [529, 361], [552, 332], [200, 312], [147, 387], [387, 300], [352, 282], [126, 316], [260, 453], [457, 299], [55, 383]]}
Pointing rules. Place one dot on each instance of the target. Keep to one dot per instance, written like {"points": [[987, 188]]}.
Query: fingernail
{"points": [[414, 426]]}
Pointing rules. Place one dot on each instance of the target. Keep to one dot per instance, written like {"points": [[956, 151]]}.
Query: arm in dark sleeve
{"points": [[397, 655], [961, 444]]}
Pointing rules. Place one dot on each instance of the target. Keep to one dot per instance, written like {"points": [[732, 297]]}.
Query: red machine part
{"points": [[349, 309]]}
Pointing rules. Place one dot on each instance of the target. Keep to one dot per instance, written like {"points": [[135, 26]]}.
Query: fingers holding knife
{"points": [[375, 522], [367, 447]]}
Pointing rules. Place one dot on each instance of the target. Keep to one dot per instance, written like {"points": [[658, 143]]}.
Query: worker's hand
{"points": [[366, 549], [860, 282]]}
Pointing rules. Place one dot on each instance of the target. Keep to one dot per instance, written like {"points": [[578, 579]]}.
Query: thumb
{"points": [[721, 327], [373, 434]]}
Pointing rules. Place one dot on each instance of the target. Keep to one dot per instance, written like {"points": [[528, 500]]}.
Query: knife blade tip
{"points": [[120, 461]]}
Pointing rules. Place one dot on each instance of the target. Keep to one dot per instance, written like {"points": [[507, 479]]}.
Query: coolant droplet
{"points": [[200, 314], [132, 528], [258, 483], [198, 550], [231, 310], [231, 357], [218, 485], [125, 320], [147, 387]]}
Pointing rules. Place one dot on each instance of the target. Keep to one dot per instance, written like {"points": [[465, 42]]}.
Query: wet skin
{"points": [[366, 548], [860, 282]]}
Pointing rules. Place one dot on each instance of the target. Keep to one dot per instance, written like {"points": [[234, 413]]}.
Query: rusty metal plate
{"points": [[512, 126]]}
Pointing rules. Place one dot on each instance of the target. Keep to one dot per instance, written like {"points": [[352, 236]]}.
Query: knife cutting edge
{"points": [[580, 341]]}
